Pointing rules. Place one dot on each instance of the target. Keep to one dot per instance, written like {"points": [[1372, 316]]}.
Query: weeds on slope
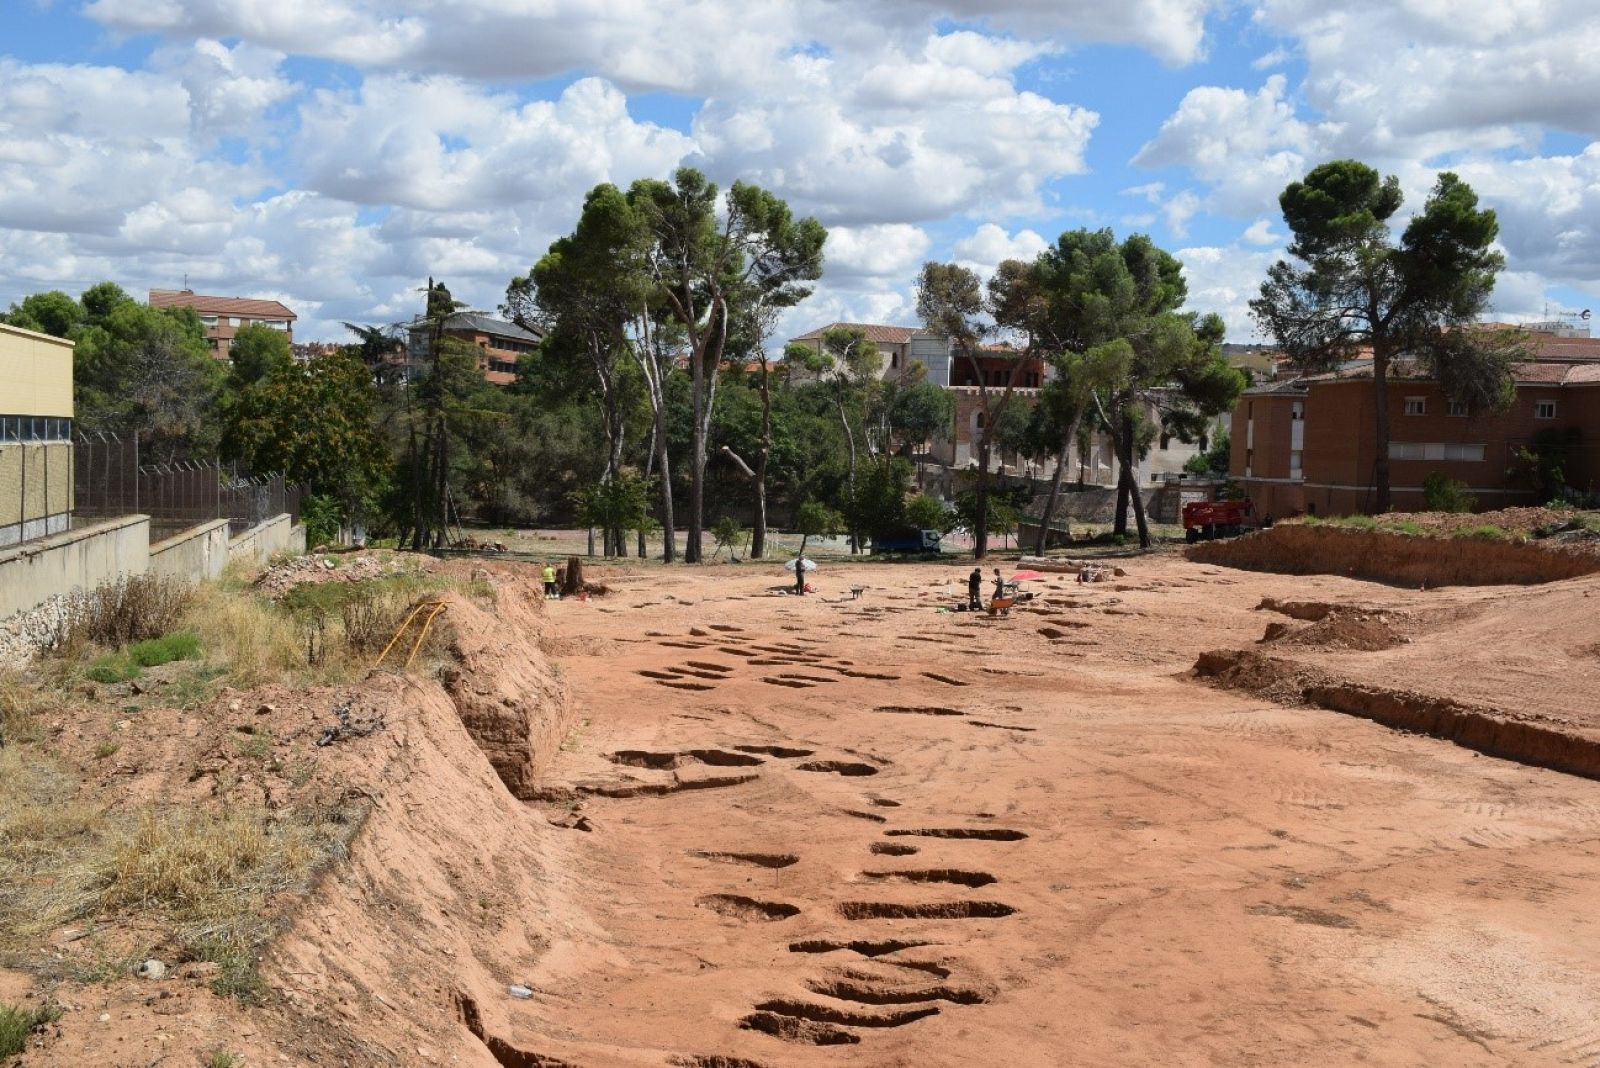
{"points": [[200, 882]]}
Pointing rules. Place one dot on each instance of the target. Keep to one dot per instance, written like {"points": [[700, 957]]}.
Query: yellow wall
{"points": [[35, 373]]}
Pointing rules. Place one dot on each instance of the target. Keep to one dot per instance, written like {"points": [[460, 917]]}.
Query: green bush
{"points": [[322, 516], [179, 645], [17, 1024], [113, 668], [1486, 532], [1447, 494]]}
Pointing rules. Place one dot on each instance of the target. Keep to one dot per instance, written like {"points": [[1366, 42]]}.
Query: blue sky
{"points": [[333, 153]]}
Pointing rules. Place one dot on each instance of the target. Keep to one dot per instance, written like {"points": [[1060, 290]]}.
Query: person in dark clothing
{"points": [[975, 589], [999, 584], [800, 576]]}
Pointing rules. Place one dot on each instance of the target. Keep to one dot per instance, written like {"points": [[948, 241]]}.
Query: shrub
{"points": [[322, 516], [1485, 532], [153, 652], [16, 1024], [1444, 494], [131, 609], [113, 668]]}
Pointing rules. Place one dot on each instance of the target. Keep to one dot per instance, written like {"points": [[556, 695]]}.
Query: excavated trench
{"points": [[1480, 729]]}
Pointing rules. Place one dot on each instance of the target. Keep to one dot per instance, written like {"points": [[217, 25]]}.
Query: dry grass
{"points": [[205, 878], [257, 643], [133, 608]]}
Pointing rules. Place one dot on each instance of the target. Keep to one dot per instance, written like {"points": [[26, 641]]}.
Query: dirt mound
{"points": [[277, 580], [1337, 627], [1297, 549], [1485, 730], [442, 897]]}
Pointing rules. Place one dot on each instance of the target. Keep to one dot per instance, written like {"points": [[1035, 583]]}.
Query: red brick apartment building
{"points": [[224, 316], [498, 342], [1307, 445]]}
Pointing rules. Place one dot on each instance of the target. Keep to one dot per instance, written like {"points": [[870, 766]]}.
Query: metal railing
{"points": [[110, 480]]}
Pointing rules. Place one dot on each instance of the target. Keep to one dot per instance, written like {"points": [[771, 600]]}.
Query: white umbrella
{"points": [[811, 565]]}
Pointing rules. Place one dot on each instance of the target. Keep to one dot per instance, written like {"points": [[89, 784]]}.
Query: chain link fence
{"points": [[112, 479]]}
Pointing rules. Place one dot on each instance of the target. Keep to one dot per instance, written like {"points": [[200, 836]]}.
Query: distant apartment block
{"points": [[499, 343], [903, 348], [223, 317], [1308, 444], [35, 435]]}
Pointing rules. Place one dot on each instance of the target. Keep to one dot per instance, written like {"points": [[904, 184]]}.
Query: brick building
{"points": [[1309, 444], [224, 317], [499, 343]]}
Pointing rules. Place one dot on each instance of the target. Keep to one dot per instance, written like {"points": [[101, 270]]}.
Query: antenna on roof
{"points": [[186, 281]]}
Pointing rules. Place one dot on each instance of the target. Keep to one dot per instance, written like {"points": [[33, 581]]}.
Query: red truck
{"points": [[1204, 520]]}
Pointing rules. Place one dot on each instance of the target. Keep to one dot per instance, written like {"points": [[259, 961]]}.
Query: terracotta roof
{"points": [[241, 307], [876, 332], [1295, 386], [1533, 373]]}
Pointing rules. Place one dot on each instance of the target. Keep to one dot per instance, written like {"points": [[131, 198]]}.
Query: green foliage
{"points": [[929, 513], [1354, 287], [877, 505], [54, 313], [1542, 464], [257, 351], [138, 368], [112, 668], [919, 411], [1485, 532], [322, 515], [1214, 461], [621, 504], [814, 519], [728, 534], [1002, 515], [179, 645], [152, 652], [314, 423], [1445, 494], [17, 1024]]}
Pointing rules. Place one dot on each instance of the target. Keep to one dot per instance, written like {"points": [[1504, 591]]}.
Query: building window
{"points": [[1295, 458], [1545, 409], [1249, 462], [1417, 450], [894, 360], [1416, 406], [1458, 409], [1297, 410]]}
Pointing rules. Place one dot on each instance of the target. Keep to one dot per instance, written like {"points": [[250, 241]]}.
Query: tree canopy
{"points": [[1351, 288]]}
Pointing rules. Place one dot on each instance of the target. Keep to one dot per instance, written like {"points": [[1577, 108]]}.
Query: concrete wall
{"points": [[80, 559], [265, 540], [194, 555]]}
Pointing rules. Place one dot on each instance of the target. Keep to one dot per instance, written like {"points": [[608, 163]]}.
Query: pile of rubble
{"points": [[24, 634], [278, 580]]}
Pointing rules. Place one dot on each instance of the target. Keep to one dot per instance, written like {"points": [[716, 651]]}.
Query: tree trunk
{"points": [[649, 469], [758, 536], [1050, 501], [572, 581], [669, 535], [1380, 397], [850, 479], [980, 536], [1128, 483]]}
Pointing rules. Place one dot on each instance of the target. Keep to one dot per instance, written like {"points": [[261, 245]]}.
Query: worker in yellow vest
{"points": [[550, 581]]}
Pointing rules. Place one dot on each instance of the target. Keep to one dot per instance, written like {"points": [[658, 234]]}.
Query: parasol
{"points": [[810, 564]]}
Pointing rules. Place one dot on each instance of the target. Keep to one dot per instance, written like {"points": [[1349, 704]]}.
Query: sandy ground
{"points": [[931, 839]]}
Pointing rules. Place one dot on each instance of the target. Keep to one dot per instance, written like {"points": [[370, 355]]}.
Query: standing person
{"points": [[975, 590], [799, 576], [999, 585], [550, 590]]}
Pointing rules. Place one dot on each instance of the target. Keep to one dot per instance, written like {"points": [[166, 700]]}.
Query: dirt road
{"points": [[839, 831]]}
